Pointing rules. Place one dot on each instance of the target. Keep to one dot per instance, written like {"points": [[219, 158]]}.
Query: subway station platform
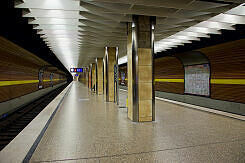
{"points": [[87, 129]]}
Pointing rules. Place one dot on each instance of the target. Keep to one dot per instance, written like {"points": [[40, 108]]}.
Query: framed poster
{"points": [[197, 79]]}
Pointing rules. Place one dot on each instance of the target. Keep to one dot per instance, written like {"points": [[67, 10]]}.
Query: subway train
{"points": [[24, 77]]}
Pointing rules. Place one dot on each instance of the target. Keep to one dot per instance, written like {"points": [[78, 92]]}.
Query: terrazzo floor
{"points": [[87, 129]]}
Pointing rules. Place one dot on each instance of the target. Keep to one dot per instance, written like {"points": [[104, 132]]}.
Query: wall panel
{"points": [[18, 66], [169, 68], [227, 62]]}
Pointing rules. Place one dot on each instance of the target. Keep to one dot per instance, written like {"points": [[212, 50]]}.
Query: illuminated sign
{"points": [[76, 69], [79, 70]]}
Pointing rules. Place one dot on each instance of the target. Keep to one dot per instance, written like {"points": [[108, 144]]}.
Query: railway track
{"points": [[12, 125]]}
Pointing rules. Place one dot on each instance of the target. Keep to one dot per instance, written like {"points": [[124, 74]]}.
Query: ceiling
{"points": [[77, 31]]}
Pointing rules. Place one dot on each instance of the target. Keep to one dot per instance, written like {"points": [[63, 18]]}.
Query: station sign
{"points": [[76, 69]]}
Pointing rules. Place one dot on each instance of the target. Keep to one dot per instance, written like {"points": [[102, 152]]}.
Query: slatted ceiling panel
{"points": [[14, 91], [111, 16]]}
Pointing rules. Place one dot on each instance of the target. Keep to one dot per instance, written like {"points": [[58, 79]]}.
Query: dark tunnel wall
{"points": [[19, 72], [227, 61]]}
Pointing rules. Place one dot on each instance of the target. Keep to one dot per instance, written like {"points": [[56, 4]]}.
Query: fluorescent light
{"points": [[194, 34], [170, 43], [175, 40], [50, 4], [57, 27], [239, 10], [202, 30], [55, 21], [184, 37], [227, 18], [215, 25], [44, 13]]}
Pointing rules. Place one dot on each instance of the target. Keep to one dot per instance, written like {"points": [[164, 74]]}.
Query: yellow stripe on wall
{"points": [[228, 81], [212, 81], [52, 80], [17, 82], [6, 83], [170, 80]]}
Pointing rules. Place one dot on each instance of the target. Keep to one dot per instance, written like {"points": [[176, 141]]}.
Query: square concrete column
{"points": [[93, 81], [89, 76], [141, 97], [110, 60], [99, 76], [104, 77], [86, 72]]}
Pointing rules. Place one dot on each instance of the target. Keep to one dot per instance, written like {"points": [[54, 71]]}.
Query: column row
{"points": [[103, 74]]}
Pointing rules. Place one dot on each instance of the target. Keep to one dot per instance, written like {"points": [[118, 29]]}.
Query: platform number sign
{"points": [[76, 69]]}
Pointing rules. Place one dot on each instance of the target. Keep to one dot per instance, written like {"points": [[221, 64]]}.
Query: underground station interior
{"points": [[122, 81]]}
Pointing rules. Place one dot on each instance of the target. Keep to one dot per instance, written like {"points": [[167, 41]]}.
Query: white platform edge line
{"points": [[231, 115], [21, 144]]}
